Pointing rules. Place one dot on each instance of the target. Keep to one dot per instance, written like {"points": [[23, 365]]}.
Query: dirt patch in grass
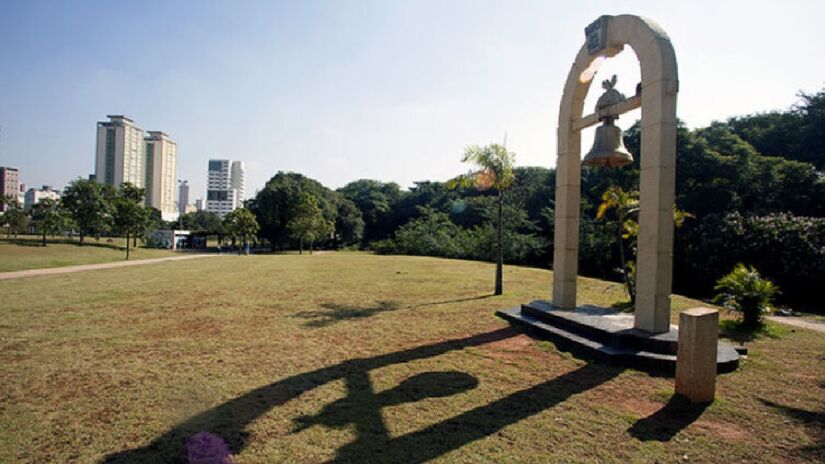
{"points": [[639, 407], [725, 430]]}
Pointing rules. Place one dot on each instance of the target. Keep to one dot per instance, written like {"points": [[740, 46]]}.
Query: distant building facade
{"points": [[21, 194], [34, 196], [161, 174], [9, 183], [124, 154], [237, 179], [221, 196], [120, 154], [199, 204]]}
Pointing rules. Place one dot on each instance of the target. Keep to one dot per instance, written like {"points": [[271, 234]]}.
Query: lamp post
{"points": [[181, 207]]}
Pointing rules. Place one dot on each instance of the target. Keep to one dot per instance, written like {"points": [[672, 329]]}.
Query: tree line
{"points": [[88, 208], [748, 190]]}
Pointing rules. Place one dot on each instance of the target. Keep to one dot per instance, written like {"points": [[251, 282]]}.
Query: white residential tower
{"points": [[120, 153], [161, 170]]}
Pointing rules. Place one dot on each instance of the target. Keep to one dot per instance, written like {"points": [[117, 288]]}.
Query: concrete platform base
{"points": [[608, 335]]}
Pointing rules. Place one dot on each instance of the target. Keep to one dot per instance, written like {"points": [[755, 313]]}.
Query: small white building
{"points": [[34, 196], [171, 239]]}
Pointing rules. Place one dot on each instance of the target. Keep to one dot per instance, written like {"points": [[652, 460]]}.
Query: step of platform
{"points": [[604, 334], [607, 326]]}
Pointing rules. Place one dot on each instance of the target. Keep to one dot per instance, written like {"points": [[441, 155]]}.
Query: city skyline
{"points": [[342, 91]]}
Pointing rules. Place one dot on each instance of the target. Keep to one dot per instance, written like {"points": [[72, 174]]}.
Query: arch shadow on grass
{"points": [[362, 408]]}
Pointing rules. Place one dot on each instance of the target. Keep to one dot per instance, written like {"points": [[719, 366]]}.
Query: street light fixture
{"points": [[181, 208]]}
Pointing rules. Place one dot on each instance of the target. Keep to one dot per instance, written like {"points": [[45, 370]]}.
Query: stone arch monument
{"points": [[645, 340], [606, 37]]}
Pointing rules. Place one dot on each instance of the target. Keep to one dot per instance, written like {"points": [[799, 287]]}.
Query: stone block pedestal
{"points": [[696, 354]]}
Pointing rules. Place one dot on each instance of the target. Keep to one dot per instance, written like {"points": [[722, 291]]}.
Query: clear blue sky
{"points": [[343, 90]]}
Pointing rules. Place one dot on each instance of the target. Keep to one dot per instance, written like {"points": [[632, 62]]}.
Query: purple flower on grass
{"points": [[207, 448]]}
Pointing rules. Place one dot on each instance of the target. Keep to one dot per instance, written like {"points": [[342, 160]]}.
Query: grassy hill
{"points": [[361, 358]]}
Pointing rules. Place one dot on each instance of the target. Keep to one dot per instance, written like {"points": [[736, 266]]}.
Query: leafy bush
{"points": [[435, 234], [790, 250], [745, 291]]}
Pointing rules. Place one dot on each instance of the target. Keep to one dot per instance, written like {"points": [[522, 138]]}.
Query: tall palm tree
{"points": [[494, 170]]}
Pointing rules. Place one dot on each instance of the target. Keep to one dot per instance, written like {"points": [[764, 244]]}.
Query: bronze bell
{"points": [[608, 147]]}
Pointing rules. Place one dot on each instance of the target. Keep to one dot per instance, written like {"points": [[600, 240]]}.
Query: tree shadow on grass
{"points": [[665, 423], [334, 312], [38, 243], [23, 242], [814, 423], [362, 407]]}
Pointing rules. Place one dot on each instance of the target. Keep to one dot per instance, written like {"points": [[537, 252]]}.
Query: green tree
{"points": [[6, 200], [349, 222], [241, 224], [495, 171], [378, 202], [624, 204], [432, 233], [277, 204], [795, 134], [205, 222], [14, 218], [626, 207], [49, 217], [90, 205], [130, 217], [308, 223]]}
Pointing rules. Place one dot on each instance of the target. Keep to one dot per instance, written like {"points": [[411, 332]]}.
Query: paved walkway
{"points": [[90, 267], [799, 322]]}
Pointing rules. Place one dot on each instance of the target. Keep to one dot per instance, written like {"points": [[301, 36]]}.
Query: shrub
{"points": [[745, 291]]}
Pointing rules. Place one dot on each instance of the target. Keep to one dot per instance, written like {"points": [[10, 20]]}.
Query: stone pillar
{"points": [[658, 180], [568, 186], [566, 233], [696, 354]]}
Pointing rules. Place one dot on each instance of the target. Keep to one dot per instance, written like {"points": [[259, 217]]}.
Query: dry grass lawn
{"points": [[352, 357], [26, 252]]}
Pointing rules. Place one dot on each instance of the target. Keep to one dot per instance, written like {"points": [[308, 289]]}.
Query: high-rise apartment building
{"points": [[9, 184], [121, 155], [221, 198], [237, 180], [161, 170], [183, 197]]}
